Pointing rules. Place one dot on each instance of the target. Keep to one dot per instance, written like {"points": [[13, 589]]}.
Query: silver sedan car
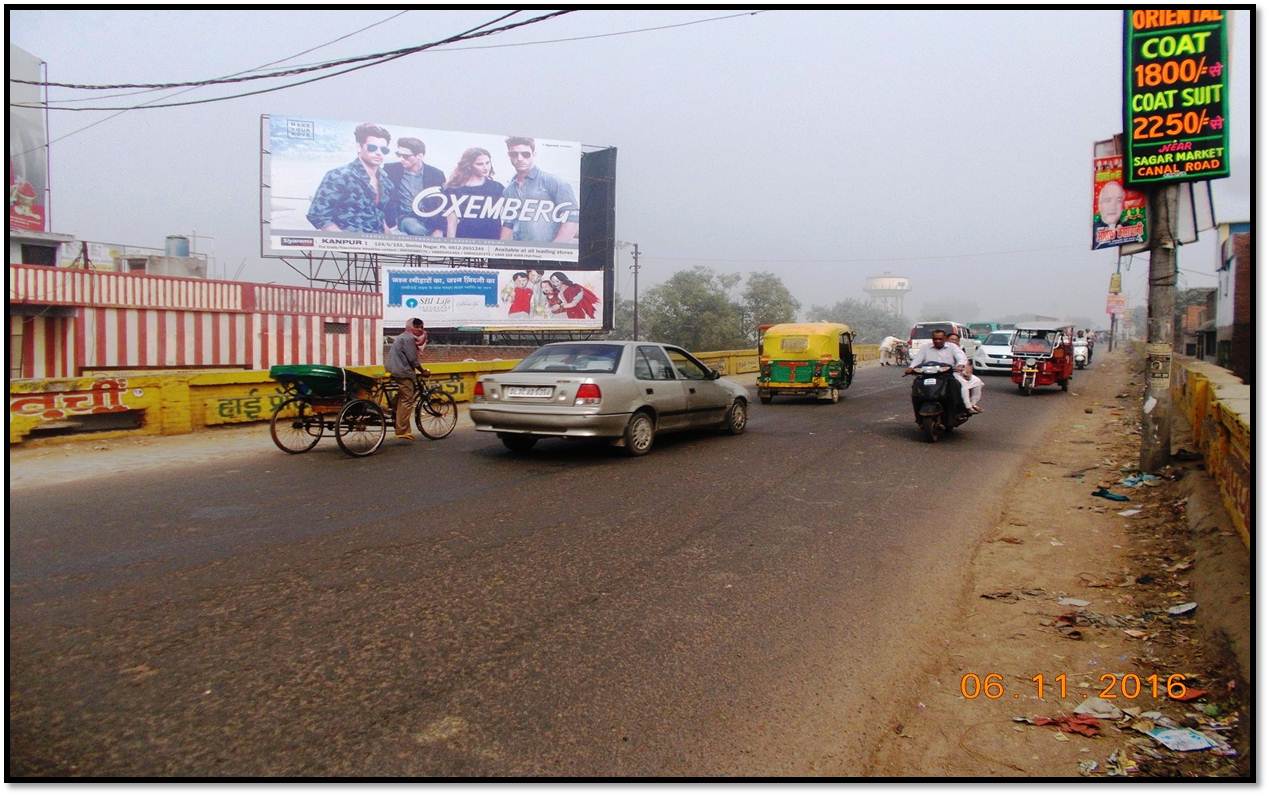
{"points": [[621, 390]]}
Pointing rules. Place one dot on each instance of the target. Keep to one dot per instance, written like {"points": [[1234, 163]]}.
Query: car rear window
{"points": [[572, 358], [924, 331], [998, 338]]}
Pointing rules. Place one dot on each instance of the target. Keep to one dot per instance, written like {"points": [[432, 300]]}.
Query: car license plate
{"points": [[931, 381], [529, 392]]}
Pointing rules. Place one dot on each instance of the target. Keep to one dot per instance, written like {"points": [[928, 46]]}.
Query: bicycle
{"points": [[435, 411]]}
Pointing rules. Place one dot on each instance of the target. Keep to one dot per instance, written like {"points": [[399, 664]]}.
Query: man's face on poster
{"points": [[1110, 203], [371, 152], [521, 157]]}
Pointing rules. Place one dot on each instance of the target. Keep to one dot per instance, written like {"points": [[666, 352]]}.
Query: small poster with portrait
{"points": [[1119, 213]]}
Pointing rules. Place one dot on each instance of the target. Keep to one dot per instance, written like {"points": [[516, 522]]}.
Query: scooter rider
{"points": [[938, 353]]}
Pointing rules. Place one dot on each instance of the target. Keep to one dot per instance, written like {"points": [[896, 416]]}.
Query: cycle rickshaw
{"points": [[356, 408]]}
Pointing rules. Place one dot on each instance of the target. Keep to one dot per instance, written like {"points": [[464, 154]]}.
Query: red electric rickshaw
{"points": [[1043, 355]]}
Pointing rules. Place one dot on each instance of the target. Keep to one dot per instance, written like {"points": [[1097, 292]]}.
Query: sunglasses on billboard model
{"points": [[376, 148], [404, 155], [520, 154]]}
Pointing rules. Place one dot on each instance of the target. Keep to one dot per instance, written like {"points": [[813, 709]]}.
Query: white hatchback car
{"points": [[995, 354]]}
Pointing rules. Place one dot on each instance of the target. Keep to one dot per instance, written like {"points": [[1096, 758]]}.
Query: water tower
{"points": [[887, 291]]}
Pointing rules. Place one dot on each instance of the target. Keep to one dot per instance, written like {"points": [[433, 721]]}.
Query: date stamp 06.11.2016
{"points": [[992, 686]]}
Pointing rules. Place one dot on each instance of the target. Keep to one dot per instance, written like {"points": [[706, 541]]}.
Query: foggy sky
{"points": [[952, 147]]}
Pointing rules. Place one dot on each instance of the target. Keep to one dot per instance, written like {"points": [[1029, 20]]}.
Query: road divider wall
{"points": [[1217, 405], [144, 403]]}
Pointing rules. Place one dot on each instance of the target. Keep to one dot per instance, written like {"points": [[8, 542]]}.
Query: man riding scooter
{"points": [[936, 398]]}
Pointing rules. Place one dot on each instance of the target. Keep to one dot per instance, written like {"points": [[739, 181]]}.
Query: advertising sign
{"points": [[1116, 283], [28, 146], [1116, 304], [1119, 214], [1176, 106], [378, 187], [489, 297]]}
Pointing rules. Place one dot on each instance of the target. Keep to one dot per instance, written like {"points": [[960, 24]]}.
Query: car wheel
{"points": [[518, 443], [736, 418], [639, 434]]}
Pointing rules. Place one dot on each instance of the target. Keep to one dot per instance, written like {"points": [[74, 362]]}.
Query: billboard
{"points": [[28, 146], [1176, 103], [1119, 214], [385, 188], [494, 298]]}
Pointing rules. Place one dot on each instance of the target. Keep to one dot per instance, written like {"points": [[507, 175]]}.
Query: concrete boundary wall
{"points": [[1217, 405], [142, 403]]}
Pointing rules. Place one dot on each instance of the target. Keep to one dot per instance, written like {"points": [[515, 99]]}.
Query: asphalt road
{"points": [[749, 606]]}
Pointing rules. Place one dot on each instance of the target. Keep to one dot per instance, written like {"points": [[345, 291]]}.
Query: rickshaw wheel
{"points": [[764, 397], [296, 434], [361, 427], [1065, 384], [436, 414]]}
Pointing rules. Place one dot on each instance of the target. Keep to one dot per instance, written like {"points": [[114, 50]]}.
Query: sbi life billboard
{"points": [[1176, 98]]}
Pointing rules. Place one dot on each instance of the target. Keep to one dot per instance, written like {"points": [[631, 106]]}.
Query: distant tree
{"points": [[766, 300], [694, 309], [622, 319], [871, 322]]}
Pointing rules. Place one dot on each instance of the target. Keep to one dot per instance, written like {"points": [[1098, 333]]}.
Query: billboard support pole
{"points": [[1156, 417], [635, 269]]}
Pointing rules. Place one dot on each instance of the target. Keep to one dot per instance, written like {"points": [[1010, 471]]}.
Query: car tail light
{"points": [[588, 395], [478, 392]]}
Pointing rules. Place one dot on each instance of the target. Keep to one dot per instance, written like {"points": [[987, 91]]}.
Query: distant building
{"points": [[1195, 330], [1233, 300]]}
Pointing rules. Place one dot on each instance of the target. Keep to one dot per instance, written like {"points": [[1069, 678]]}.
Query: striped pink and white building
{"points": [[66, 322]]}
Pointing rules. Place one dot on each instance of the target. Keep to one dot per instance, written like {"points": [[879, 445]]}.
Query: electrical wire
{"points": [[105, 119], [381, 60], [859, 259], [383, 21], [296, 70]]}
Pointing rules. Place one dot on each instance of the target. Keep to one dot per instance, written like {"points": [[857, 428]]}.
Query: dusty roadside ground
{"points": [[1068, 588]]}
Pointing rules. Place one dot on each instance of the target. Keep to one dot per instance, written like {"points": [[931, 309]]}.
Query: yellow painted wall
{"points": [[178, 402], [1217, 405]]}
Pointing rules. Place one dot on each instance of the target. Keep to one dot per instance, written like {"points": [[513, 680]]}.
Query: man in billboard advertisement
{"points": [[412, 176], [355, 197], [438, 197], [1119, 214], [553, 214]]}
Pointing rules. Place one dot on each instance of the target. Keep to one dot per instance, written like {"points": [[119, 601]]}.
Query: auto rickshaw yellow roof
{"points": [[821, 328]]}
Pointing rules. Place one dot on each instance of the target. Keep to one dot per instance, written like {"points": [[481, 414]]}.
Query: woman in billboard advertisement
{"points": [[577, 300], [473, 177], [552, 298]]}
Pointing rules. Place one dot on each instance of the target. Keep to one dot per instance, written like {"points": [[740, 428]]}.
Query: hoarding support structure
{"points": [[635, 269], [1156, 419]]}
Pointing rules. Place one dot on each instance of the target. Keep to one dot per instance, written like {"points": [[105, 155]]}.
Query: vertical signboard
{"points": [[1176, 103], [1119, 214], [28, 145]]}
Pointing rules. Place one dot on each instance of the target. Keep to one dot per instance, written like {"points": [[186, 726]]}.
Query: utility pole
{"points": [[635, 269], [1156, 416]]}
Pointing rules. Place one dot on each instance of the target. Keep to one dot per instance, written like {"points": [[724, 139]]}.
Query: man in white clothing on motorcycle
{"points": [[940, 352]]}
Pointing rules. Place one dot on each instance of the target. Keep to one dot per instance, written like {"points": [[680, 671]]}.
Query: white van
{"points": [[923, 330]]}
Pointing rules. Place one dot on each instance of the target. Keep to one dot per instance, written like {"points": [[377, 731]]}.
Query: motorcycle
{"points": [[1081, 354], [936, 401]]}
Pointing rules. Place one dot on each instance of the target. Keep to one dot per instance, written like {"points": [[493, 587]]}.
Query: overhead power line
{"points": [[117, 114], [858, 259], [99, 97], [297, 70], [383, 58]]}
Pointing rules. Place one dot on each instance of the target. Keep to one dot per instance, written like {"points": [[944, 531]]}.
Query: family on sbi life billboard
{"points": [[383, 188]]}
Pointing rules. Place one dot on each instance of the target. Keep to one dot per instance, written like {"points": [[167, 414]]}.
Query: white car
{"points": [[922, 332], [995, 355]]}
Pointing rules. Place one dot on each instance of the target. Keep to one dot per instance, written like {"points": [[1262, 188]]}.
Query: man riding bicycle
{"points": [[403, 361]]}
